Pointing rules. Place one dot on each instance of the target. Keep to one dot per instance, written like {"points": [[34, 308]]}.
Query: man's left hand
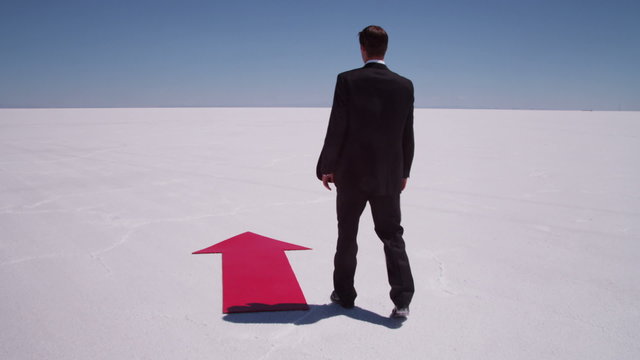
{"points": [[326, 179]]}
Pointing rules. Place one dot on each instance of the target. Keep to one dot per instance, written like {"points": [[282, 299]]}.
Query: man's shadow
{"points": [[243, 315]]}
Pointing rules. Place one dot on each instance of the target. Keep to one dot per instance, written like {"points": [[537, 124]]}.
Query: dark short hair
{"points": [[374, 40]]}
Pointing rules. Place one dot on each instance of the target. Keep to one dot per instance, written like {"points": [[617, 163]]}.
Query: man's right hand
{"points": [[326, 179], [403, 184]]}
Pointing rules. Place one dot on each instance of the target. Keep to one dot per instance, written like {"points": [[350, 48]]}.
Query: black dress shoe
{"points": [[336, 300], [400, 313]]}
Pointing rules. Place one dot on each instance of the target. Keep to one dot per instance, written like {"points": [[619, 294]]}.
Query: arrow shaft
{"points": [[259, 281]]}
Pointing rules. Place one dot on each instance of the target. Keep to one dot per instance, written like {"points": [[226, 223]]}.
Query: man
{"points": [[367, 153]]}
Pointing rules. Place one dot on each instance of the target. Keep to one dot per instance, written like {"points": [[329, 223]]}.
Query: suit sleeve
{"points": [[408, 141], [336, 131]]}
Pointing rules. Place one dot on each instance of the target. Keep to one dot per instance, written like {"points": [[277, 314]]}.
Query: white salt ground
{"points": [[522, 228]]}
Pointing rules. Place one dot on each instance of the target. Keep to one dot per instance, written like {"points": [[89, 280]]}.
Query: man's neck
{"points": [[379, 61]]}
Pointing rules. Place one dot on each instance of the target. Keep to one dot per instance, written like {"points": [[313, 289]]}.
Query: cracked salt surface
{"points": [[522, 229]]}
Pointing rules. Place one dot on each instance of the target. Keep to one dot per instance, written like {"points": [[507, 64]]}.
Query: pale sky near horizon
{"points": [[459, 54]]}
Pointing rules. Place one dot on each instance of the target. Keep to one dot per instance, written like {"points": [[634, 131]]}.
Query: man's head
{"points": [[373, 42]]}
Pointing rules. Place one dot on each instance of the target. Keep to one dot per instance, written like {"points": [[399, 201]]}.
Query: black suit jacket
{"points": [[369, 143]]}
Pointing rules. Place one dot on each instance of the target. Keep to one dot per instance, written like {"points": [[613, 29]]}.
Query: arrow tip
{"points": [[249, 241]]}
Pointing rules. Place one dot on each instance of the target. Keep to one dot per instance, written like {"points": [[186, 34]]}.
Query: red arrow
{"points": [[256, 274]]}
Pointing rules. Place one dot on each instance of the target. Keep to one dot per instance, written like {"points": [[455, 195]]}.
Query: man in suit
{"points": [[367, 154]]}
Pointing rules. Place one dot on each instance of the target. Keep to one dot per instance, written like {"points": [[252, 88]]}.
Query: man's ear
{"points": [[364, 53]]}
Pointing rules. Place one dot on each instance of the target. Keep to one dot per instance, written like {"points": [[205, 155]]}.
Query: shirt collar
{"points": [[375, 61]]}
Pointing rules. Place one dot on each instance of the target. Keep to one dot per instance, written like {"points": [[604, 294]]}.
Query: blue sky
{"points": [[460, 54]]}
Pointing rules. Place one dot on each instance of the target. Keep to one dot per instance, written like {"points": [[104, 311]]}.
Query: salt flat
{"points": [[522, 228]]}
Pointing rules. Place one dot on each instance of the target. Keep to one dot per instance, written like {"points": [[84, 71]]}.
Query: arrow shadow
{"points": [[312, 316]]}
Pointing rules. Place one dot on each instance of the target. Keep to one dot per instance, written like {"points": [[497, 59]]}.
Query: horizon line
{"points": [[301, 107]]}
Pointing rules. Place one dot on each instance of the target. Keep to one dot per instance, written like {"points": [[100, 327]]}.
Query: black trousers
{"points": [[385, 210]]}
